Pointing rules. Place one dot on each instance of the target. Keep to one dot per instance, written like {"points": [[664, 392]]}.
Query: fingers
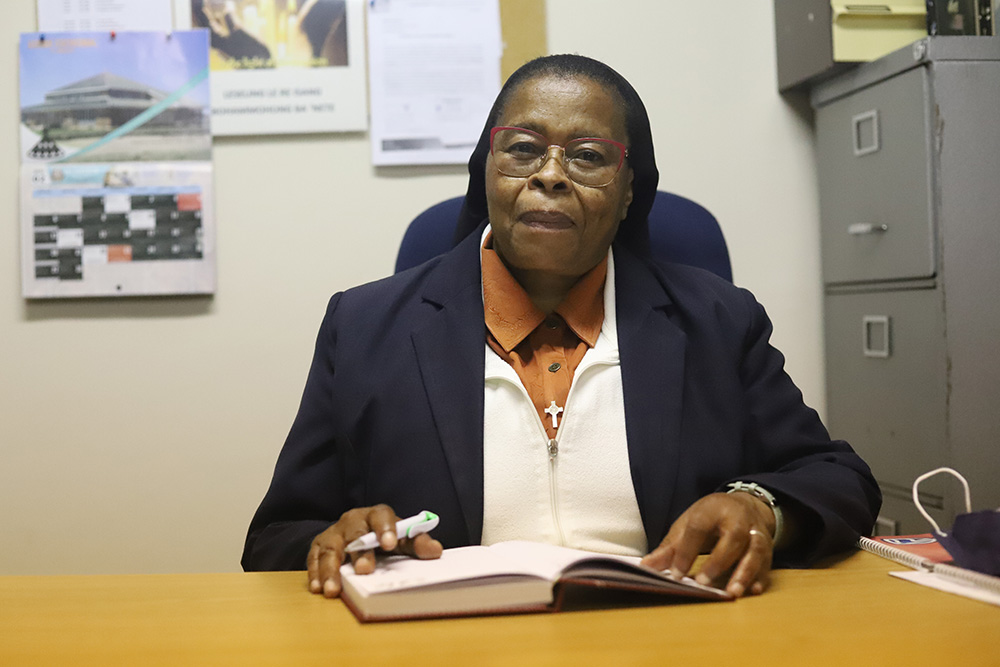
{"points": [[697, 534], [381, 520], [689, 535], [732, 545], [661, 557], [694, 531], [422, 546], [323, 562], [753, 573], [750, 552], [735, 530], [328, 548]]}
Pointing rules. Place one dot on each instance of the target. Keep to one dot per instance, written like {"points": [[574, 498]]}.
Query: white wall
{"points": [[138, 435]]}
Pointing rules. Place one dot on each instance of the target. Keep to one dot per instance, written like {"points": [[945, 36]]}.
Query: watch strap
{"points": [[766, 496]]}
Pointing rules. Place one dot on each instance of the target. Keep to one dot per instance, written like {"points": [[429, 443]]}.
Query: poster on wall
{"points": [[283, 66], [116, 172]]}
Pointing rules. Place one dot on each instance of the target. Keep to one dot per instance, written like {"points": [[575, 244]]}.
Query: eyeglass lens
{"points": [[521, 153]]}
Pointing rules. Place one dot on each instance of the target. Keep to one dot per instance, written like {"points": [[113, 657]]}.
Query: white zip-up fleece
{"points": [[577, 490]]}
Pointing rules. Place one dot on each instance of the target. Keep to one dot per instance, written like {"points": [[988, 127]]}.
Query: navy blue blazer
{"points": [[392, 411]]}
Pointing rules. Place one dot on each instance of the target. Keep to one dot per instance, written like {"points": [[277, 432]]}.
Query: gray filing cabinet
{"points": [[908, 148]]}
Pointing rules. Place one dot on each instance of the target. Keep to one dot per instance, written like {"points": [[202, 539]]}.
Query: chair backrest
{"points": [[431, 233], [680, 230], [685, 232]]}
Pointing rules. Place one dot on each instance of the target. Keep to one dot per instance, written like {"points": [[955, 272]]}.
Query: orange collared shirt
{"points": [[543, 350]]}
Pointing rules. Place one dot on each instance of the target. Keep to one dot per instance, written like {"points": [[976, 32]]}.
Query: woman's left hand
{"points": [[739, 530]]}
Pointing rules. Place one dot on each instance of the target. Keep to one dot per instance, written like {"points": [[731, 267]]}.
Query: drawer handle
{"points": [[865, 133], [862, 228], [876, 335], [894, 9]]}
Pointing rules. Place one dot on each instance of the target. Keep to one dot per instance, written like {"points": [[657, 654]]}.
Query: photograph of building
{"points": [[103, 102], [107, 97]]}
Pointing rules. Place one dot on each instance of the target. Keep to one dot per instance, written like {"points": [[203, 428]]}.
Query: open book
{"points": [[933, 566], [505, 578]]}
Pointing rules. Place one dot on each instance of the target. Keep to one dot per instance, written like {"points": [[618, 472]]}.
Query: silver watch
{"points": [[760, 492]]}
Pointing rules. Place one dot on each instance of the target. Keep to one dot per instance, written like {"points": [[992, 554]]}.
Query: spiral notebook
{"points": [[933, 566]]}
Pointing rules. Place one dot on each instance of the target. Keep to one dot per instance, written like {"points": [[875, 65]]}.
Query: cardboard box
{"points": [[863, 32]]}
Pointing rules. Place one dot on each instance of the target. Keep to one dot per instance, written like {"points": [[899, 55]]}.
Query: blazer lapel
{"points": [[652, 364], [450, 352]]}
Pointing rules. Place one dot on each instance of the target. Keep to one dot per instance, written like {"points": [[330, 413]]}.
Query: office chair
{"points": [[680, 230]]}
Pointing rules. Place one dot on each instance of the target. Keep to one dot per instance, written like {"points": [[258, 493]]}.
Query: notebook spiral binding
{"points": [[980, 579], [986, 581], [892, 553]]}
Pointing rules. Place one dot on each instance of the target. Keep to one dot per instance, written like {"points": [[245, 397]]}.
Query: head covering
{"points": [[634, 229]]}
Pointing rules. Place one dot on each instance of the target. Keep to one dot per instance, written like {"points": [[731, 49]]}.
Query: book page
{"points": [[461, 564], [552, 562], [549, 560]]}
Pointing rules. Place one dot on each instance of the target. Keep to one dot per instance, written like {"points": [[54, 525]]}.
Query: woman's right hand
{"points": [[327, 552]]}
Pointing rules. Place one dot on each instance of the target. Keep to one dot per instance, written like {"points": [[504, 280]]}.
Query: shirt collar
{"points": [[511, 316]]}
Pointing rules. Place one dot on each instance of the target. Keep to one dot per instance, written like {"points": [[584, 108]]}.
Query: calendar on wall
{"points": [[106, 230]]}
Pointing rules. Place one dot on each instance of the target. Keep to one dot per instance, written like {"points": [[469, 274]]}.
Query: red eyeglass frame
{"points": [[620, 145]]}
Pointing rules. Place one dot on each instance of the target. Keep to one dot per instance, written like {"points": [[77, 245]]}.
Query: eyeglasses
{"points": [[589, 161]]}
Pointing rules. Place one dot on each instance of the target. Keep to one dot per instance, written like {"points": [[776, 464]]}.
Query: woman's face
{"points": [[547, 222]]}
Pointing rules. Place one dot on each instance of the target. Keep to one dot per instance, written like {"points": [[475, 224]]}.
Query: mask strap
{"points": [[916, 499]]}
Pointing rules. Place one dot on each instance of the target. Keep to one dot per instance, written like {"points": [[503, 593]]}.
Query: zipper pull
{"points": [[553, 449]]}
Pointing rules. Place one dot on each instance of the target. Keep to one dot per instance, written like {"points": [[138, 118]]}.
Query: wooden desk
{"points": [[849, 613]]}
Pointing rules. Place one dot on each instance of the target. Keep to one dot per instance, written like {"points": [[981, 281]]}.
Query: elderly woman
{"points": [[547, 380]]}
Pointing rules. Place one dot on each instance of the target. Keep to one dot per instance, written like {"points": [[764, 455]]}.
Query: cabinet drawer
{"points": [[886, 380], [874, 162]]}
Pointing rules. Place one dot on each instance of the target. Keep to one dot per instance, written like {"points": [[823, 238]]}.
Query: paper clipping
{"points": [[435, 71], [96, 15]]}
